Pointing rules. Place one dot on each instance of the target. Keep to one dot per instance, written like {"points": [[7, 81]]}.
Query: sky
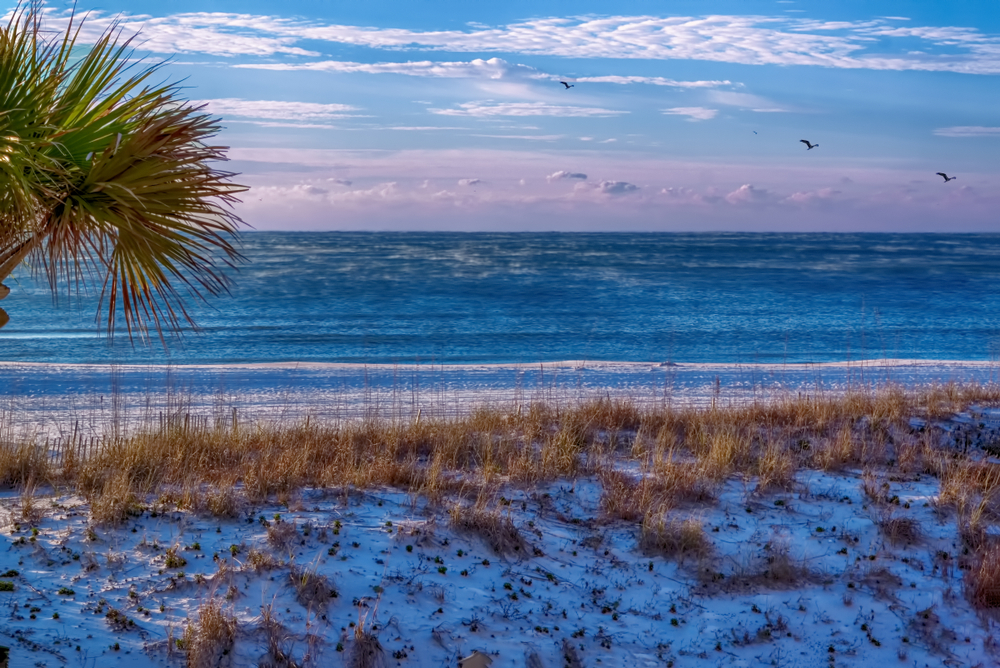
{"points": [[682, 115]]}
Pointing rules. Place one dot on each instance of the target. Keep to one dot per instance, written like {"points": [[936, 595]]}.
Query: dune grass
{"points": [[648, 460], [211, 637], [675, 455]]}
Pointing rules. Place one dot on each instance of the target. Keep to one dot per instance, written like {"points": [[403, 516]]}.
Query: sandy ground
{"points": [[803, 577], [431, 593]]}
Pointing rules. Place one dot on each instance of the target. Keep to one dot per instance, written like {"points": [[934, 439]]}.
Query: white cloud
{"points": [[489, 108], [747, 40], [616, 187], [210, 33], [309, 189], [753, 40], [469, 182], [744, 39], [747, 194], [655, 81], [278, 124], [812, 197], [744, 100], [693, 113], [681, 195], [528, 137], [561, 174], [276, 110], [968, 131], [420, 128], [479, 69], [588, 190], [380, 192], [494, 68]]}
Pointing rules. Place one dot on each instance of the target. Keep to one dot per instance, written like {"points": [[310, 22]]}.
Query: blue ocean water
{"points": [[459, 298]]}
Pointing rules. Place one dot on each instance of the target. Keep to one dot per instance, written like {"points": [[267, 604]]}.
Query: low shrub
{"points": [[210, 638]]}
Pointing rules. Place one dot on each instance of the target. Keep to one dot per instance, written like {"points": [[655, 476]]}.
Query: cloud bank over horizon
{"points": [[636, 195]]}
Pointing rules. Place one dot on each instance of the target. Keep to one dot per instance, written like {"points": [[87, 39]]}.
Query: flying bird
{"points": [[809, 146], [946, 177], [755, 132], [568, 86]]}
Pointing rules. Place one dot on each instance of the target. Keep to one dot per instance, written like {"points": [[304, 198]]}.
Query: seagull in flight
{"points": [[809, 146], [568, 86], [946, 177]]}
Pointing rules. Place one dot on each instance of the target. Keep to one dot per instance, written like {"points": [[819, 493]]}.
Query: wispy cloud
{"points": [[209, 33], [286, 124], [655, 81], [747, 40], [489, 108], [813, 197], [561, 174], [617, 187], [494, 68], [968, 131], [527, 137], [276, 110], [744, 100], [748, 194], [693, 113], [606, 188], [419, 128]]}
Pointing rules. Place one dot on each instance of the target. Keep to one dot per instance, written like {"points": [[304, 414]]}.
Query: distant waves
{"points": [[458, 298]]}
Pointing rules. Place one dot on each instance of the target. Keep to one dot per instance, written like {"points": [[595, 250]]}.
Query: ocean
{"points": [[468, 298]]}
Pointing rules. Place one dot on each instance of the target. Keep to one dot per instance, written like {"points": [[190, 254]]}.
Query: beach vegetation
{"points": [[491, 524], [661, 457], [312, 589], [672, 537], [209, 639]]}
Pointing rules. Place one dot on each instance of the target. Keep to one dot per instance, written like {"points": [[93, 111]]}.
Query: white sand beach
{"points": [[54, 399], [805, 575]]}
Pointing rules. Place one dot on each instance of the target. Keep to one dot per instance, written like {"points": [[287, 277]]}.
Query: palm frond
{"points": [[110, 179]]}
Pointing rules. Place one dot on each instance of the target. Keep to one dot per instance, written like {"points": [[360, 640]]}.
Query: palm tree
{"points": [[107, 177]]}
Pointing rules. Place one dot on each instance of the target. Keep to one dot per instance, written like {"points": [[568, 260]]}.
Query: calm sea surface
{"points": [[509, 298]]}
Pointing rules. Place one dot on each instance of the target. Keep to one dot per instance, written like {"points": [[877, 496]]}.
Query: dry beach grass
{"points": [[685, 452], [661, 471]]}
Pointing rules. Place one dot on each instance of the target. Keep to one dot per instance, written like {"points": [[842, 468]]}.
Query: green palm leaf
{"points": [[105, 178]]}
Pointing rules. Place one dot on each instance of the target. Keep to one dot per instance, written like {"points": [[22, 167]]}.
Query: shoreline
{"points": [[572, 364], [51, 400]]}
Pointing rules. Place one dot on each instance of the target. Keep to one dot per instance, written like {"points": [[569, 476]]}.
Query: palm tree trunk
{"points": [[14, 257], [10, 260]]}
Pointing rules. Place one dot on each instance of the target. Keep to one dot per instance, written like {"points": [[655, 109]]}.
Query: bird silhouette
{"points": [[946, 177], [755, 132], [809, 146], [568, 86]]}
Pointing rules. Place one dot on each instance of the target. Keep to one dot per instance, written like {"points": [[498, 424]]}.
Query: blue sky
{"points": [[683, 115]]}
